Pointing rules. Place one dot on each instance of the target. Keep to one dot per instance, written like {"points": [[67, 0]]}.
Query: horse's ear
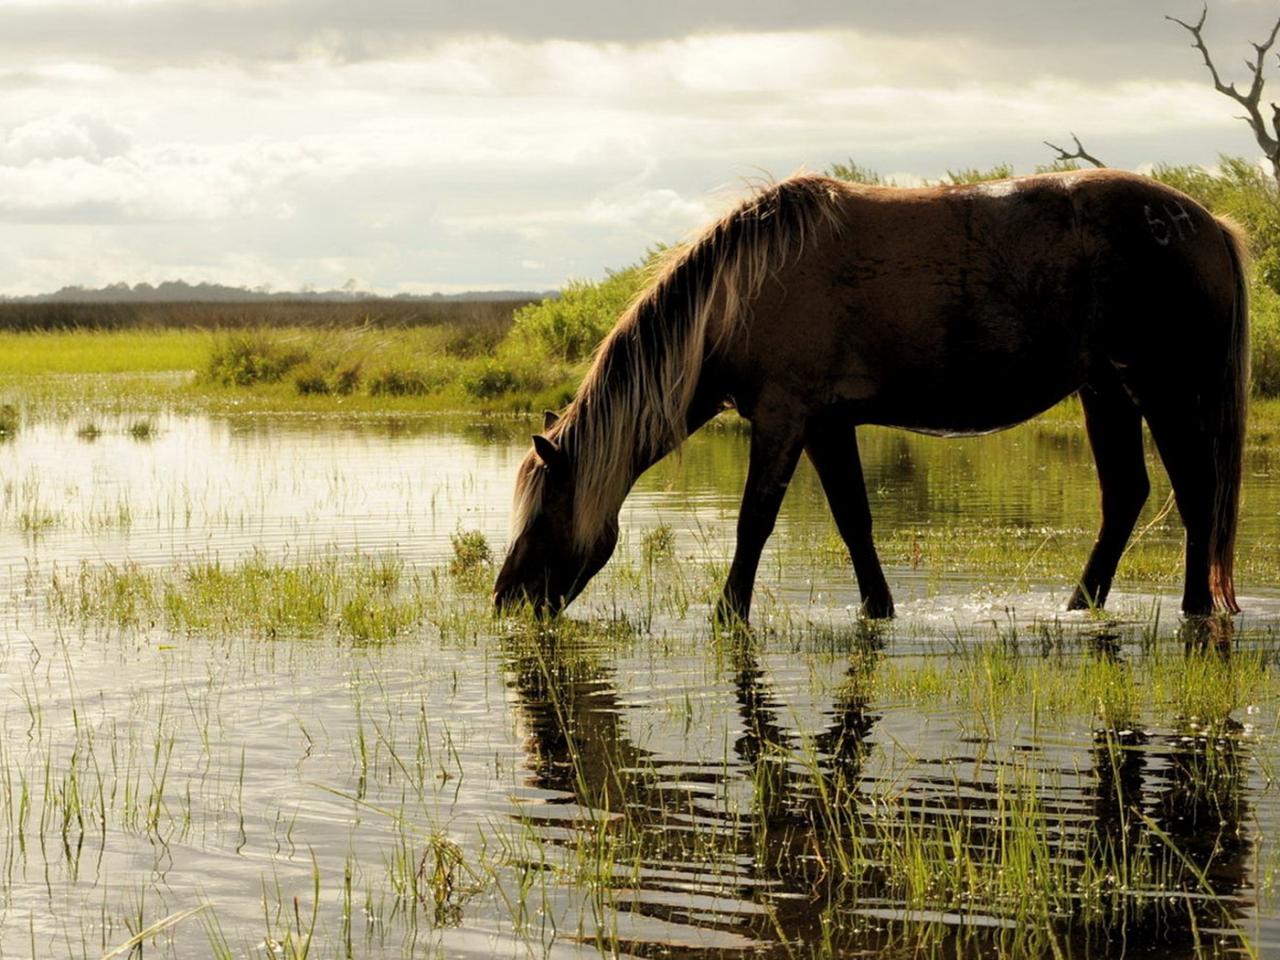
{"points": [[548, 452], [549, 418]]}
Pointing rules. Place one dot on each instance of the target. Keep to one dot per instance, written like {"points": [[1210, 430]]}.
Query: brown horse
{"points": [[817, 306]]}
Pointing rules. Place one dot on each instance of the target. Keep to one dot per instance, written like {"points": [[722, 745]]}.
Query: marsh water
{"points": [[631, 782]]}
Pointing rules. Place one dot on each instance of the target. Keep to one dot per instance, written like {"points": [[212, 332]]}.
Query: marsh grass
{"points": [[360, 599], [9, 420], [990, 846], [658, 544], [472, 555], [142, 430]]}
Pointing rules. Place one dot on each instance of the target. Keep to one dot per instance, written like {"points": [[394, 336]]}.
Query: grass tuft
{"points": [[472, 555]]}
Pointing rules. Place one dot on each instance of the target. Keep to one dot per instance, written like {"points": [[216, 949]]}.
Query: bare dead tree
{"points": [[1268, 138], [1080, 153]]}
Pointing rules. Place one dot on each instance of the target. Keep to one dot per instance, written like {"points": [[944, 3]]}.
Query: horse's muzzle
{"points": [[510, 596]]}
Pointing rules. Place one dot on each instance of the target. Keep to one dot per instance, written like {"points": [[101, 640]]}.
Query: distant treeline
{"points": [[491, 316], [179, 291]]}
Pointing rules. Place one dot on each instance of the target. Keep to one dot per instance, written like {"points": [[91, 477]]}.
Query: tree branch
{"points": [[1080, 153], [1269, 143]]}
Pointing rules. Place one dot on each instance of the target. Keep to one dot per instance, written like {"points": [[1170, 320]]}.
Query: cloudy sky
{"points": [[419, 145]]}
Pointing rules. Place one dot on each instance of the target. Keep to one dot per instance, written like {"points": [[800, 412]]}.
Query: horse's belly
{"points": [[985, 400]]}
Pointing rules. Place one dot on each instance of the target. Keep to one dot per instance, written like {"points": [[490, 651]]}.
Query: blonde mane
{"points": [[632, 407]]}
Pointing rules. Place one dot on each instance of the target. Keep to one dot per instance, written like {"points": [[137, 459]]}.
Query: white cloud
{"points": [[491, 161], [660, 214], [61, 138]]}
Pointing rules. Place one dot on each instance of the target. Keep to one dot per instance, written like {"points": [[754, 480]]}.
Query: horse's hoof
{"points": [[1081, 599], [729, 616], [878, 608]]}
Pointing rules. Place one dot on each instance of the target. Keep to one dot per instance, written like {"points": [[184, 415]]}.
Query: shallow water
{"points": [[633, 785]]}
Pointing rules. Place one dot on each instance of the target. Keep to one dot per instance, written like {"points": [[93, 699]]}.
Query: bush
{"points": [[346, 379], [398, 383], [569, 326], [479, 336], [1001, 171], [406, 381], [855, 173], [312, 380], [321, 379], [246, 357], [1265, 340], [488, 380]]}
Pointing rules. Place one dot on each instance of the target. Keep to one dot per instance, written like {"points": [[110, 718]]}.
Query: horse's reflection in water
{"points": [[763, 869]]}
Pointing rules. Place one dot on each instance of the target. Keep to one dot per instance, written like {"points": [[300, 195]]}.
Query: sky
{"points": [[417, 146]]}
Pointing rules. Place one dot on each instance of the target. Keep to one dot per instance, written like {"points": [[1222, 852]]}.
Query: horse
{"points": [[816, 306]]}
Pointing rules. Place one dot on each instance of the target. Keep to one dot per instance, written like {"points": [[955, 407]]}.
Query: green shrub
{"points": [[346, 379], [1265, 340], [312, 380], [1001, 171], [402, 382], [489, 379], [479, 338], [245, 357], [321, 379], [569, 326], [855, 173]]}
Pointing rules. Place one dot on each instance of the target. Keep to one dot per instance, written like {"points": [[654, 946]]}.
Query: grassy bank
{"points": [[280, 369], [399, 372]]}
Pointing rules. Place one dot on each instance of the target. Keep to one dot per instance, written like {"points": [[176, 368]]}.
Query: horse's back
{"points": [[974, 307]]}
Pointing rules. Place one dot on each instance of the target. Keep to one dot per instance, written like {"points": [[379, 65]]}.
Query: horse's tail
{"points": [[1229, 435]]}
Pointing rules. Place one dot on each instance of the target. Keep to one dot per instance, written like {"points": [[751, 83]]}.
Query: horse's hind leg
{"points": [[1115, 433], [775, 449], [1187, 452], [832, 445]]}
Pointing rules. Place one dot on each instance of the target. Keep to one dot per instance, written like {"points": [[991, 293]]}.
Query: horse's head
{"points": [[547, 564]]}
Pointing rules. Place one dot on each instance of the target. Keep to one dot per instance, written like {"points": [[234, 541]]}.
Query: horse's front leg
{"points": [[832, 445], [775, 448], [1115, 433]]}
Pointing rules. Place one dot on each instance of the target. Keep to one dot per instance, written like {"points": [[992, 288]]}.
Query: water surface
{"points": [[634, 784]]}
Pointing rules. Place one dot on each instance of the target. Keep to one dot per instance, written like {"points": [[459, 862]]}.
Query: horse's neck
{"points": [[615, 440]]}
